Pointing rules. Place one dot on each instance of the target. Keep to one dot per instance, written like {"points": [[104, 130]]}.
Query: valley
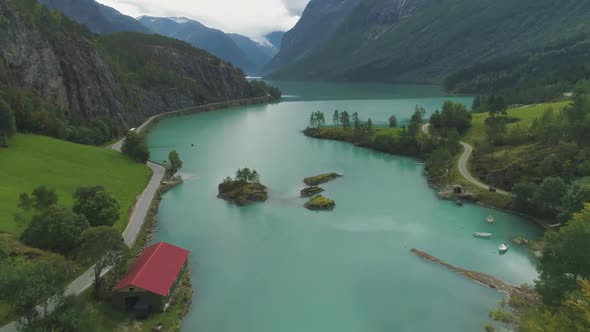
{"points": [[157, 162]]}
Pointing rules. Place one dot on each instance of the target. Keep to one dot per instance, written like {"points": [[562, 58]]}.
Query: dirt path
{"points": [[462, 165]]}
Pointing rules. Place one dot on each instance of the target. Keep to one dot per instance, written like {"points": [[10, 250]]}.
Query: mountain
{"points": [[198, 35], [78, 77], [275, 38], [318, 23], [537, 76], [98, 18], [418, 40], [258, 53]]}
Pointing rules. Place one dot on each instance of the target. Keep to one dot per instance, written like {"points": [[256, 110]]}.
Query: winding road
{"points": [[462, 164], [136, 220], [143, 204]]}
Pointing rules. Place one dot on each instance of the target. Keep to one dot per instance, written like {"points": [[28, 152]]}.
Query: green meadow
{"points": [[32, 160]]}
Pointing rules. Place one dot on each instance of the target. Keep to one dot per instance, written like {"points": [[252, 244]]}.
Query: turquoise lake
{"points": [[277, 267]]}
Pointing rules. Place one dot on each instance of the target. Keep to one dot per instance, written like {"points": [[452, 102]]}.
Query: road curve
{"points": [[462, 164], [140, 210]]}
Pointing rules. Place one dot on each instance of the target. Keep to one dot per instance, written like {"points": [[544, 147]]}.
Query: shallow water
{"points": [[278, 267]]}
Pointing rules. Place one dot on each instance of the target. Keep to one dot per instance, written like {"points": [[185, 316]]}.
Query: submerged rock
{"points": [[311, 191], [319, 179], [242, 193], [320, 203]]}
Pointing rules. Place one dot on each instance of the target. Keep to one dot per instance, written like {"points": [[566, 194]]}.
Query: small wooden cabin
{"points": [[457, 189], [152, 279]]}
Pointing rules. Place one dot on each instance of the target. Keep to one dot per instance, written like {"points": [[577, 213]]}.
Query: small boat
{"points": [[503, 248], [459, 202], [490, 219], [482, 235]]}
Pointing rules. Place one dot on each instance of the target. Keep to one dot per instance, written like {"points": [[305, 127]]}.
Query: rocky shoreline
{"points": [[242, 193]]}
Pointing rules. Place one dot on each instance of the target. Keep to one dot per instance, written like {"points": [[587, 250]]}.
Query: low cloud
{"points": [[253, 18]]}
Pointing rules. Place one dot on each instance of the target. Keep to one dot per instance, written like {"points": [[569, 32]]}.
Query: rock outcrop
{"points": [[70, 68], [242, 193]]}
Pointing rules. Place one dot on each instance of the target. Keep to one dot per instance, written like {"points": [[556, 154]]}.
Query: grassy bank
{"points": [[33, 160], [526, 115]]}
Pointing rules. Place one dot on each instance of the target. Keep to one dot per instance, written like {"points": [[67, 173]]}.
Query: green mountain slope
{"points": [[536, 76], [425, 40]]}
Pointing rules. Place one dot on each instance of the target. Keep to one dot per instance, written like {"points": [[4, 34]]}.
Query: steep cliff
{"points": [[318, 23], [124, 77], [425, 40], [201, 36]]}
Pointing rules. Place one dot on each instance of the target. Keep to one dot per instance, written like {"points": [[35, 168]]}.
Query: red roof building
{"points": [[154, 276]]}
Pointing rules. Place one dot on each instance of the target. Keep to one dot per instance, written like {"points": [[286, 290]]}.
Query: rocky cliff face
{"points": [[391, 11], [66, 68], [318, 23]]}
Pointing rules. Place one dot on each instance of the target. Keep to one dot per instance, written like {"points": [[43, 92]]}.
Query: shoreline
{"points": [[437, 187], [140, 211]]}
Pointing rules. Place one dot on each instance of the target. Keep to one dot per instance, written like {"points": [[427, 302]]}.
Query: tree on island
{"points": [[175, 162], [392, 122], [336, 118], [416, 121], [317, 120], [245, 175], [345, 119], [356, 120]]}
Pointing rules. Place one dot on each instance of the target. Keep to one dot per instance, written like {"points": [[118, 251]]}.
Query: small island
{"points": [[319, 179], [320, 203], [245, 189], [311, 191]]}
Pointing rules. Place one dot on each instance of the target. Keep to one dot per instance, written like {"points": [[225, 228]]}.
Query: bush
{"points": [[134, 146], [57, 229], [98, 206]]}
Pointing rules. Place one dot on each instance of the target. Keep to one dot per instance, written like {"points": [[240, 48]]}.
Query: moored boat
{"points": [[482, 235], [503, 248], [459, 202], [490, 219]]}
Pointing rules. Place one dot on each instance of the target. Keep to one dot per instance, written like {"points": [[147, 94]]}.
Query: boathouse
{"points": [[151, 282]]}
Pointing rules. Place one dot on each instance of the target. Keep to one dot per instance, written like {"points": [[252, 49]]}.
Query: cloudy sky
{"points": [[253, 18]]}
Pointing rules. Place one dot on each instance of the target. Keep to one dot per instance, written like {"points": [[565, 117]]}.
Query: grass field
{"points": [[33, 160], [526, 115]]}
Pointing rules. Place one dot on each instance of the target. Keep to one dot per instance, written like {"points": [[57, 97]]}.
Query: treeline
{"points": [[78, 236], [549, 177], [23, 111], [564, 284], [542, 75], [406, 139]]}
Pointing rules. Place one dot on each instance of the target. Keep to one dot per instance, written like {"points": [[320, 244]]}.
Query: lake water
{"points": [[277, 267]]}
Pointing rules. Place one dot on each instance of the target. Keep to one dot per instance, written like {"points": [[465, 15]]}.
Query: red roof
{"points": [[156, 269]]}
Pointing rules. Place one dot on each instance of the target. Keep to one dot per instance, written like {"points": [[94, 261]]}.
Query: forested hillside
{"points": [[214, 41], [97, 17], [59, 79], [425, 40], [536, 76]]}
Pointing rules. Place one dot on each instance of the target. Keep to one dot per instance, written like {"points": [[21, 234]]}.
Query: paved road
{"points": [[138, 214], [136, 220], [463, 162]]}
